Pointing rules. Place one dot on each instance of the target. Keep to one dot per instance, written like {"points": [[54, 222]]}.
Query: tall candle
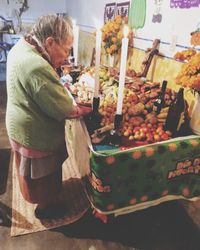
{"points": [[75, 44], [97, 61], [124, 50]]}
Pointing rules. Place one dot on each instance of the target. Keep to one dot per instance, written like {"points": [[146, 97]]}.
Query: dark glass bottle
{"points": [[158, 105], [175, 116]]}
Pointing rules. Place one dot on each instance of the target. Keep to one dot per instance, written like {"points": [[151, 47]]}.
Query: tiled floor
{"points": [[169, 226]]}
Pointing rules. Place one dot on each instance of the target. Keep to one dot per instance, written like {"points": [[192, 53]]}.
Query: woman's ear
{"points": [[49, 42]]}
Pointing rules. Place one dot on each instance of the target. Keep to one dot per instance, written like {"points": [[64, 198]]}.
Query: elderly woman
{"points": [[37, 107]]}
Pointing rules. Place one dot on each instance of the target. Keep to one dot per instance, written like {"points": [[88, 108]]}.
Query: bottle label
{"points": [[181, 121]]}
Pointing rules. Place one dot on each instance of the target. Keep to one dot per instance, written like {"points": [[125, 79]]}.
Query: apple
{"points": [[142, 135], [131, 138], [157, 137], [126, 133], [165, 136], [145, 129], [149, 137], [136, 136]]}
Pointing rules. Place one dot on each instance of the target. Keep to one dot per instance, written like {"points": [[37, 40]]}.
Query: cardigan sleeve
{"points": [[51, 96]]}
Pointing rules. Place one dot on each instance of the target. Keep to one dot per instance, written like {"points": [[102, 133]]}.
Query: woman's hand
{"points": [[80, 110], [84, 110]]}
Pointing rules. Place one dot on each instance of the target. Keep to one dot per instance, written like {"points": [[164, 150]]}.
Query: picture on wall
{"points": [[116, 9], [122, 9], [109, 12]]}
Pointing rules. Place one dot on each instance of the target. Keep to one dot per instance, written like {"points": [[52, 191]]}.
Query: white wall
{"points": [[176, 23], [87, 12]]}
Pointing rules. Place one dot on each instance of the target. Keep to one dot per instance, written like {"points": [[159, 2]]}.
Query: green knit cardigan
{"points": [[37, 102]]}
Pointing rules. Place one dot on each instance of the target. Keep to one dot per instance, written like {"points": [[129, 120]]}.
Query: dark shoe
{"points": [[53, 211]]}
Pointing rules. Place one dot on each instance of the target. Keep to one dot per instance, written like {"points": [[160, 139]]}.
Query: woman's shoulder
{"points": [[26, 56]]}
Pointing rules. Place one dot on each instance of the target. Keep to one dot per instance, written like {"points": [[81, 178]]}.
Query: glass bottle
{"points": [[175, 116], [160, 99]]}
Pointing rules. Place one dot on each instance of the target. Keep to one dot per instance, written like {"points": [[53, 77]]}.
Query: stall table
{"points": [[122, 180]]}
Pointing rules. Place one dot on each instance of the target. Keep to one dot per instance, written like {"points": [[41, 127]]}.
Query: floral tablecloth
{"points": [[124, 180]]}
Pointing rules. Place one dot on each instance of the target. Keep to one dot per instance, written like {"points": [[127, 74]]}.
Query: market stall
{"points": [[138, 148], [150, 164], [124, 180]]}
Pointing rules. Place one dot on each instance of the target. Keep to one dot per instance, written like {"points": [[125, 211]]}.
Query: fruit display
{"points": [[83, 93], [83, 89], [140, 123]]}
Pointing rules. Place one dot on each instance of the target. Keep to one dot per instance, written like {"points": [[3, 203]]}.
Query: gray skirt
{"points": [[39, 167]]}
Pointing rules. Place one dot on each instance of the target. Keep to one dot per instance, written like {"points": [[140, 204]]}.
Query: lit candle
{"points": [[124, 50], [97, 61], [75, 44]]}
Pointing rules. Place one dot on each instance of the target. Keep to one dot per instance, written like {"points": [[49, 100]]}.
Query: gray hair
{"points": [[58, 27]]}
